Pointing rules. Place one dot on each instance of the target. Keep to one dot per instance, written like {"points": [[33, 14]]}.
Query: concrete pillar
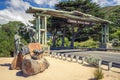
{"points": [[62, 56], [58, 55], [99, 63], [53, 54], [66, 56], [83, 60], [72, 57], [109, 66], [77, 58]]}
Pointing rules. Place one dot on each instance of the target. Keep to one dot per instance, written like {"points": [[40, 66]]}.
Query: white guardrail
{"points": [[76, 58]]}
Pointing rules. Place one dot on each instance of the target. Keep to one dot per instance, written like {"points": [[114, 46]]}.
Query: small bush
{"points": [[98, 74], [76, 44], [89, 43], [92, 60], [115, 42]]}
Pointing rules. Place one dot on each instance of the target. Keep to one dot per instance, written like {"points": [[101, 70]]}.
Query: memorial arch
{"points": [[73, 17]]}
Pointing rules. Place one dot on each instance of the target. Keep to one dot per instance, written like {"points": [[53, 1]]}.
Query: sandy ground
{"points": [[58, 70]]}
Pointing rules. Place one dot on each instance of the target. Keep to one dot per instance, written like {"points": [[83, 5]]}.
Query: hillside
{"points": [[109, 10]]}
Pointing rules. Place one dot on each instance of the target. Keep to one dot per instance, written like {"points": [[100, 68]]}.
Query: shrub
{"points": [[98, 74], [92, 60], [115, 42], [76, 44], [59, 42], [49, 42], [89, 43]]}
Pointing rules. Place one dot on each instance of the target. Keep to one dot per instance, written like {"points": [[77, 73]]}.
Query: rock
{"points": [[31, 67], [17, 62], [35, 46]]}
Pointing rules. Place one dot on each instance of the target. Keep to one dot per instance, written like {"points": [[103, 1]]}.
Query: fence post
{"points": [[58, 55], [62, 56], [77, 58], [109, 66], [99, 63], [83, 59], [66, 56], [52, 54], [72, 56]]}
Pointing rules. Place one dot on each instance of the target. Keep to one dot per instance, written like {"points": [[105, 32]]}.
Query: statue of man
{"points": [[32, 33], [16, 42]]}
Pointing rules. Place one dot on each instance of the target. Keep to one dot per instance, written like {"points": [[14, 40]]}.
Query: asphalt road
{"points": [[104, 55]]}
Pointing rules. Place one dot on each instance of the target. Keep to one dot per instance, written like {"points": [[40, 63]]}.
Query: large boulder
{"points": [[35, 47], [17, 62], [31, 66]]}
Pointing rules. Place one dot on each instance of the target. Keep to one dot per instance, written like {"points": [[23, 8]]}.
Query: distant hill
{"points": [[109, 10]]}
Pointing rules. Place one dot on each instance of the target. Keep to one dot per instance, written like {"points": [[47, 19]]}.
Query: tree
{"points": [[115, 27], [7, 32], [85, 6]]}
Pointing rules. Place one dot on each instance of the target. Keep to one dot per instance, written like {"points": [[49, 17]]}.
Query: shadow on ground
{"points": [[20, 74], [92, 79], [6, 65]]}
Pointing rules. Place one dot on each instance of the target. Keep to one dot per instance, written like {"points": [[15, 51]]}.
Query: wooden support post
{"points": [[36, 25], [45, 30], [72, 40], [63, 36], [105, 35], [39, 27], [109, 66]]}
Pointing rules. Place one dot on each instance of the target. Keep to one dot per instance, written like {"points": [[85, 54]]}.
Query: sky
{"points": [[14, 10]]}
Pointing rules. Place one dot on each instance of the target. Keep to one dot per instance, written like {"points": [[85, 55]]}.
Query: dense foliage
{"points": [[115, 27], [85, 36], [81, 32], [85, 6], [7, 32]]}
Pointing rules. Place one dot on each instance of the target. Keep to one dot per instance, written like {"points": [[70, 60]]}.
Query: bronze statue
{"points": [[16, 42], [30, 31]]}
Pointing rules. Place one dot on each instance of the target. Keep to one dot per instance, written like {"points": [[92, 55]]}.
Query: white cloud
{"points": [[117, 2], [15, 12], [47, 2], [107, 2]]}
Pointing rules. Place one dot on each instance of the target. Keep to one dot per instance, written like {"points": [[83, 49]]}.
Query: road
{"points": [[104, 55]]}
